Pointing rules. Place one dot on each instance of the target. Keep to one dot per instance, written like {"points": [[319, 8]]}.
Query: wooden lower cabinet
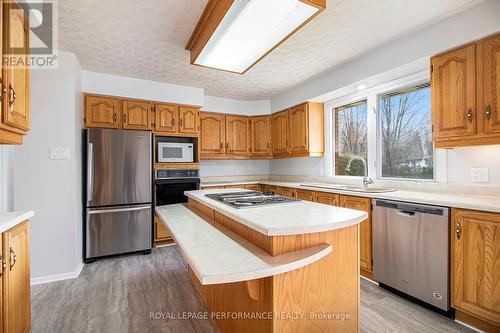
{"points": [[328, 198], [326, 287], [161, 233], [306, 195], [365, 229], [255, 187], [16, 280], [287, 192], [475, 265]]}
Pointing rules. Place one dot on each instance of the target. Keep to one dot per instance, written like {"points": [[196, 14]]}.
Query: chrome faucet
{"points": [[366, 180]]}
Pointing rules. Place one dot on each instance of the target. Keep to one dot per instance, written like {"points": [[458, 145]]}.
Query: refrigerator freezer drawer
{"points": [[117, 230]]}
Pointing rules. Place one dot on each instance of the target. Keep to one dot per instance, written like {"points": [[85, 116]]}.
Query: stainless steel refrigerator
{"points": [[118, 191]]}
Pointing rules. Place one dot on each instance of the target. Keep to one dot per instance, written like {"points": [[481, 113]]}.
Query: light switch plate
{"points": [[479, 175], [59, 153]]}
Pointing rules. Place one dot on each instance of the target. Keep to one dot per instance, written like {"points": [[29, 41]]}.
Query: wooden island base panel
{"points": [[319, 297]]}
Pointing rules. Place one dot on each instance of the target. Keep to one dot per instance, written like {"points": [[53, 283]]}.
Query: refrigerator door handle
{"points": [[90, 172], [118, 210]]}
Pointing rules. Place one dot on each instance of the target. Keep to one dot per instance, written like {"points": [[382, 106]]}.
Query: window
{"points": [[406, 134], [351, 139]]}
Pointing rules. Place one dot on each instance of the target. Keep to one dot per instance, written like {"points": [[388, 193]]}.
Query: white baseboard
{"points": [[58, 277]]}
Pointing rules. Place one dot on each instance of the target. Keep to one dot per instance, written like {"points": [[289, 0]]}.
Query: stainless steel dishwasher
{"points": [[411, 250]]}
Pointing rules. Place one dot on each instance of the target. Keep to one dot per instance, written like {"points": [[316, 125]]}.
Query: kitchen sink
{"points": [[351, 188]]}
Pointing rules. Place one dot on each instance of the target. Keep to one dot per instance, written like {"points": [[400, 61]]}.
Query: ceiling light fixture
{"points": [[233, 35]]}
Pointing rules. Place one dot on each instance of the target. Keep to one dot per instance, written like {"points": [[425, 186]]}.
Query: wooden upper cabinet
{"points": [[279, 130], [298, 131], [189, 118], [16, 280], [454, 93], [136, 115], [261, 136], [476, 264], [237, 135], [16, 79], [488, 76], [167, 118], [299, 128], [212, 134], [103, 112], [365, 228]]}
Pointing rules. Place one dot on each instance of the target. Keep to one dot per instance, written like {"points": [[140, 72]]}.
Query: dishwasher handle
{"points": [[405, 213]]}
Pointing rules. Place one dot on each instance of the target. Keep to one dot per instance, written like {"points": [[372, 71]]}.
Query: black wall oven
{"points": [[171, 184]]}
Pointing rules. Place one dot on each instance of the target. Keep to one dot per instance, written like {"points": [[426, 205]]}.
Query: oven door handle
{"points": [[177, 181]]}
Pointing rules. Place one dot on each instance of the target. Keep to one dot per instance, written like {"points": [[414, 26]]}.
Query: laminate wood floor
{"points": [[119, 295]]}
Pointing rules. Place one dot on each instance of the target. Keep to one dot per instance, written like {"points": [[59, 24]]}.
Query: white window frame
{"points": [[372, 96]]}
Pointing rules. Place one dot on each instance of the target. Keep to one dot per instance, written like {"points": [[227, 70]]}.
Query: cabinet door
{"points": [[161, 232], [306, 195], [189, 120], [167, 118], [16, 101], [16, 281], [279, 130], [476, 263], [261, 136], [453, 89], [327, 198], [299, 129], [137, 115], [488, 92], [102, 112], [212, 134], [365, 228], [237, 133]]}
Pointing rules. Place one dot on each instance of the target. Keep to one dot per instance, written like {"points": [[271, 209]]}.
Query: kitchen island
{"points": [[291, 267]]}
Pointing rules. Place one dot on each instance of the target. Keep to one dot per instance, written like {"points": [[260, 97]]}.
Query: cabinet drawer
{"points": [[306, 195], [328, 198]]}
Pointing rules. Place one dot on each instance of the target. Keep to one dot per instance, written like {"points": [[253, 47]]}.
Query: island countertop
{"points": [[301, 217]]}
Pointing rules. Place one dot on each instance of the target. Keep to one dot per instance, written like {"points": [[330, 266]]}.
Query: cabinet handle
{"points": [[115, 117], [13, 258], [4, 265], [4, 89], [457, 230], [221, 146], [180, 122], [124, 117], [227, 145], [13, 94], [173, 122], [487, 112], [469, 115]]}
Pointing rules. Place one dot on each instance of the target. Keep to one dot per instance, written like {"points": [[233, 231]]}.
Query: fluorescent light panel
{"points": [[251, 28]]}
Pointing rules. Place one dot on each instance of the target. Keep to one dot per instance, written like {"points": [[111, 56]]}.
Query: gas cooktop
{"points": [[249, 199]]}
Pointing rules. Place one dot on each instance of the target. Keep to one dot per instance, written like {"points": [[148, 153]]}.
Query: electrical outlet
{"points": [[59, 153], [479, 175]]}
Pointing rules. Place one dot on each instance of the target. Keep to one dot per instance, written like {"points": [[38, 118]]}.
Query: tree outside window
{"points": [[406, 134], [350, 138]]}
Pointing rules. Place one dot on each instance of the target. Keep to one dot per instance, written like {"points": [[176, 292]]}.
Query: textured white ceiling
{"points": [[146, 39]]}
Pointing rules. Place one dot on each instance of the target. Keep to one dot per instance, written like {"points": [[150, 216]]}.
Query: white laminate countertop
{"points": [[10, 220], [475, 202], [294, 218], [217, 255]]}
